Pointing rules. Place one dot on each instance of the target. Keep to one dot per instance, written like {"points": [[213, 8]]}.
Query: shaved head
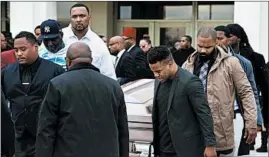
{"points": [[116, 44], [207, 32], [117, 39], [78, 52]]}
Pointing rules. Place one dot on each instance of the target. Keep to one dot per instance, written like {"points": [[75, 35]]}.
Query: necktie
{"points": [[203, 74], [26, 78], [116, 61]]}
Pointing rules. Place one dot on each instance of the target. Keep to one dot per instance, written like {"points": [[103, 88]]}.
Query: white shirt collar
{"points": [[119, 56], [120, 53], [131, 48], [71, 34], [229, 51]]}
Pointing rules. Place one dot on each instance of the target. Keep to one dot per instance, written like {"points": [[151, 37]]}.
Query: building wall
{"points": [[253, 17], [101, 17], [25, 16]]}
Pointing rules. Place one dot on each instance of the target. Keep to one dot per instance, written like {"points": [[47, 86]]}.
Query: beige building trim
{"points": [[101, 17]]}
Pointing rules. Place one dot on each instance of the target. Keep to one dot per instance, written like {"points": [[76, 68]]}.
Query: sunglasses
{"points": [[113, 44], [127, 38]]}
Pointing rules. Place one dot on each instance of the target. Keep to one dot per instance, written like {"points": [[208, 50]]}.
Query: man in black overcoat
{"points": [[84, 112]]}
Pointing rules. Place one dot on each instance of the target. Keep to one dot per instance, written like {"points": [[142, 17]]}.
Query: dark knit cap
{"points": [[224, 29], [235, 30]]}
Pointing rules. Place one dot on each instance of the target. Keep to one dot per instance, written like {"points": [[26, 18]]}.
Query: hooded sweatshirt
{"points": [[58, 57]]}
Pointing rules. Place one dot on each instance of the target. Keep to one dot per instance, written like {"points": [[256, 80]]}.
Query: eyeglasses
{"points": [[127, 38], [113, 43]]}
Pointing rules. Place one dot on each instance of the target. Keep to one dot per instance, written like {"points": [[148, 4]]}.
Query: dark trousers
{"points": [[168, 155], [225, 152], [24, 143], [244, 148]]}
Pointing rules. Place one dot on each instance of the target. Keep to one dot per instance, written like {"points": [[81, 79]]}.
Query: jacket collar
{"points": [[83, 66], [220, 57], [32, 67]]}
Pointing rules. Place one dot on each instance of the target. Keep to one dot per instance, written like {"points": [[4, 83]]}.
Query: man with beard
{"points": [[139, 59], [241, 45], [222, 75], [223, 35], [185, 49], [54, 48], [24, 85], [123, 60], [79, 30]]}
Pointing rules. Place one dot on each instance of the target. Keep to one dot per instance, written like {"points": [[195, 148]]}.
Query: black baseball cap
{"points": [[49, 29]]}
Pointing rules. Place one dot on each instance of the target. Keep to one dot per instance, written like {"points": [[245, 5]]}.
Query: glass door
{"points": [[161, 32], [210, 23], [142, 27], [167, 32]]}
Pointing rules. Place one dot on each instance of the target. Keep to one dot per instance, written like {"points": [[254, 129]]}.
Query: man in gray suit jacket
{"points": [[182, 121]]}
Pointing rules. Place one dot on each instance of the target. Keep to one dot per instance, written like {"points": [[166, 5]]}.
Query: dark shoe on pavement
{"points": [[262, 149]]}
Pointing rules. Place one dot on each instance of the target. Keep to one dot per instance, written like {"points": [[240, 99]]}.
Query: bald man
{"points": [[123, 60], [75, 119]]}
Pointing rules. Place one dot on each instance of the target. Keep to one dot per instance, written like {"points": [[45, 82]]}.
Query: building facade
{"points": [[163, 21]]}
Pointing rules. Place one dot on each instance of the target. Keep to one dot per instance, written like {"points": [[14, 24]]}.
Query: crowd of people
{"points": [[61, 91]]}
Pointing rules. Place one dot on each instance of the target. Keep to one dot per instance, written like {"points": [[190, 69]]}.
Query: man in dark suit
{"points": [[24, 84], [84, 112], [7, 131], [123, 60], [182, 122], [139, 60]]}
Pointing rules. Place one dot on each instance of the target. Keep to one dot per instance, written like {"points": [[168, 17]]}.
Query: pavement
{"points": [[238, 125]]}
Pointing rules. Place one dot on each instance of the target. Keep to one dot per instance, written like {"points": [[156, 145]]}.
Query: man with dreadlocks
{"points": [[241, 45]]}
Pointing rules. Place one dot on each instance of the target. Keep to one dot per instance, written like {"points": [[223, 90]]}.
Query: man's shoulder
{"points": [[186, 77], [8, 53], [50, 65], [137, 49], [230, 60], [66, 30], [126, 54], [10, 67], [244, 60], [96, 78], [183, 73], [96, 40], [105, 79], [258, 55]]}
